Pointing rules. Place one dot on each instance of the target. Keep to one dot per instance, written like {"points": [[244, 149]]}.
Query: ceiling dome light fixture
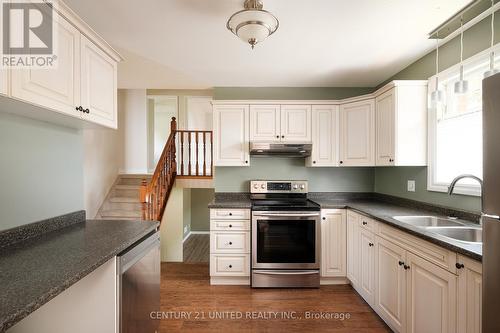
{"points": [[253, 24]]}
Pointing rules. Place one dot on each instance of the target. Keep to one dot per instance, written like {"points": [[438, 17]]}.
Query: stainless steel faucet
{"points": [[454, 183]]}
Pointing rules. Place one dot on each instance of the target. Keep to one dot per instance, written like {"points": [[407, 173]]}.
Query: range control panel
{"points": [[278, 186]]}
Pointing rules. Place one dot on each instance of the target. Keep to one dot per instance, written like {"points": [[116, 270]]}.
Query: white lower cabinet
{"points": [[390, 284], [230, 246], [470, 287], [431, 297], [333, 240], [411, 290]]}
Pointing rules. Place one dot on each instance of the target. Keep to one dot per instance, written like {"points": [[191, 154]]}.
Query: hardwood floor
{"points": [[185, 288], [196, 249]]}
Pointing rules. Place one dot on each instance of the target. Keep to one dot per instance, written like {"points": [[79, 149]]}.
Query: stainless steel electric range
{"points": [[286, 235]]}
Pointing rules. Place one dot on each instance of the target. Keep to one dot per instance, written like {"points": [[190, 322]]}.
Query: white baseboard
{"points": [[195, 233], [324, 281]]}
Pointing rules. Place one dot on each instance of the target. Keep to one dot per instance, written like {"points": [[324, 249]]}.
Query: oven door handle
{"points": [[286, 272], [287, 214]]}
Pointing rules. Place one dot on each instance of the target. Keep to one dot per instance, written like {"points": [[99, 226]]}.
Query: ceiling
{"points": [[184, 44]]}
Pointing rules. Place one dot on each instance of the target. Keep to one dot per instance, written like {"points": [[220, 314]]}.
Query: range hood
{"points": [[280, 149]]}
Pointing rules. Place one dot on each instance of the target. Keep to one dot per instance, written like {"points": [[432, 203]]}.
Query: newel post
{"points": [[173, 131], [142, 194]]}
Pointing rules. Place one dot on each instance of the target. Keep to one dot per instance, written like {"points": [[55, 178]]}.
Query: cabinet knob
{"points": [[230, 226], [314, 162], [391, 160], [230, 266], [246, 162], [365, 223], [79, 108], [282, 136], [370, 244], [324, 218], [277, 136], [406, 267], [230, 214], [87, 111], [401, 263], [341, 162], [459, 265], [230, 243]]}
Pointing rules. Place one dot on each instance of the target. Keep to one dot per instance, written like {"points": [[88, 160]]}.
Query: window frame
{"points": [[469, 65]]}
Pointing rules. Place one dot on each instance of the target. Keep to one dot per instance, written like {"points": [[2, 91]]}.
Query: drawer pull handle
{"points": [[401, 263], [406, 267], [365, 223], [459, 265], [370, 244], [230, 266]]}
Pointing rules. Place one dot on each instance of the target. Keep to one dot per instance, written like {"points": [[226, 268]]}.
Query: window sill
{"points": [[473, 191]]}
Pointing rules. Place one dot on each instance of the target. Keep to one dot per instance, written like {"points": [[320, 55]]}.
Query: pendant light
{"points": [[253, 24], [492, 70], [462, 86], [437, 95]]}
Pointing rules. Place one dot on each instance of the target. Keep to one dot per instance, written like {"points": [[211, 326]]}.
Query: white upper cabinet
{"points": [[3, 81], [357, 133], [55, 88], [431, 297], [333, 243], [99, 84], [324, 136], [296, 123], [265, 123], [401, 124], [470, 288], [231, 135]]}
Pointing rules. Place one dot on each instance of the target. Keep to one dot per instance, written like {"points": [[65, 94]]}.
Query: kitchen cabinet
{"points": [[296, 123], [390, 284], [231, 135], [431, 297], [54, 88], [401, 125], [469, 295], [324, 136], [367, 256], [353, 248], [230, 246], [333, 240], [98, 84], [265, 123], [4, 81], [357, 133]]}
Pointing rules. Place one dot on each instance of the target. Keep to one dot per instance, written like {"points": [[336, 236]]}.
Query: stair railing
{"points": [[196, 162]]}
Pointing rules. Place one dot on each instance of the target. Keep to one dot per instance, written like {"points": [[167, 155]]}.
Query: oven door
{"points": [[285, 240]]}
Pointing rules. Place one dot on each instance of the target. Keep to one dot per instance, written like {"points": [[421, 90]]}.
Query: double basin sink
{"points": [[447, 227]]}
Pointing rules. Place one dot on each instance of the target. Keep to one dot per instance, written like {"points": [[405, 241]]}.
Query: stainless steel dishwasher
{"points": [[139, 286]]}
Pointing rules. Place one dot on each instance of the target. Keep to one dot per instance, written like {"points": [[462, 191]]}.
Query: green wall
{"points": [[235, 179], [41, 170], [284, 93], [200, 214]]}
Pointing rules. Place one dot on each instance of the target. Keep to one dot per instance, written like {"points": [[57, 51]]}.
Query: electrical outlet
{"points": [[411, 186]]}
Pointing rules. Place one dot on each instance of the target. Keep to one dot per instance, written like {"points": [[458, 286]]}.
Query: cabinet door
{"points": [[353, 249], [296, 123], [367, 282], [3, 81], [99, 84], [56, 88], [385, 118], [470, 286], [324, 136], [231, 139], [357, 134], [333, 243], [265, 123], [390, 284], [431, 297]]}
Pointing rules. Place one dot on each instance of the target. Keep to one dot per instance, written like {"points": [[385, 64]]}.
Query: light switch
{"points": [[411, 186]]}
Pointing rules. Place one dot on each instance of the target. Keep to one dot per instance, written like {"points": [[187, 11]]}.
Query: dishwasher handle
{"points": [[136, 253]]}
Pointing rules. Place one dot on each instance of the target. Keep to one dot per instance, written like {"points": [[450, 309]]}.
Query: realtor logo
{"points": [[28, 34]]}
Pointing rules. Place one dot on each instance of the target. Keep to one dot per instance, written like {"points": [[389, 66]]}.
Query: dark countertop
{"points": [[381, 208], [37, 269]]}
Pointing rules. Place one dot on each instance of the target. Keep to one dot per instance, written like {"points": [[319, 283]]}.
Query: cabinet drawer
{"points": [[368, 224], [230, 214], [230, 265], [232, 225], [433, 253], [230, 242]]}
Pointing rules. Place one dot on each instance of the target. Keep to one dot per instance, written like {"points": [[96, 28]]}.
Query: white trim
{"points": [[471, 62], [195, 233]]}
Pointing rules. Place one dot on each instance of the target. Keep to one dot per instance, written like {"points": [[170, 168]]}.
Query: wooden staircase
{"points": [[122, 202]]}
